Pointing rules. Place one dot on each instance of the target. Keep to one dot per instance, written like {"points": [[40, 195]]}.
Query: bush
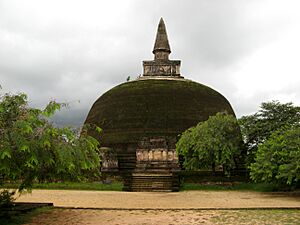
{"points": [[278, 159], [215, 142], [32, 149], [6, 198]]}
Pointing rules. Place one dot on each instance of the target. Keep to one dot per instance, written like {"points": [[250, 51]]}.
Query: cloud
{"points": [[76, 50]]}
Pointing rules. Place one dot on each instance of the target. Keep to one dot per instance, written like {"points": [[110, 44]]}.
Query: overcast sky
{"points": [[74, 51]]}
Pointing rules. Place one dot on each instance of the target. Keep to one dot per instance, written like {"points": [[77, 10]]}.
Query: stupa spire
{"points": [[161, 48], [161, 66]]}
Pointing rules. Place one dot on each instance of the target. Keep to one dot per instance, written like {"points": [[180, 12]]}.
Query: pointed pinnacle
{"points": [[161, 42]]}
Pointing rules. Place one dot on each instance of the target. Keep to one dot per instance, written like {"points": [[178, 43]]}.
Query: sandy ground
{"points": [[140, 208], [165, 217], [150, 200], [112, 217]]}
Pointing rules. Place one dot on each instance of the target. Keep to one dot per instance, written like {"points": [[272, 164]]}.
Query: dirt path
{"points": [[148, 200], [165, 217], [140, 208], [120, 217]]}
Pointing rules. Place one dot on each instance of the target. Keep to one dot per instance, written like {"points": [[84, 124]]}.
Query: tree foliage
{"points": [[278, 158], [214, 142], [271, 117], [31, 148]]}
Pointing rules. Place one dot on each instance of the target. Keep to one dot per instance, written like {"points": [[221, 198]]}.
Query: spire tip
{"points": [[161, 48]]}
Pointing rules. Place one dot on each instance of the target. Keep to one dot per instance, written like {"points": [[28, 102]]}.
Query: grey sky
{"points": [[74, 51]]}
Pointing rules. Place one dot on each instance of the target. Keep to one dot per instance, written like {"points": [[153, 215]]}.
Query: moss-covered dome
{"points": [[142, 119], [160, 103], [153, 107]]}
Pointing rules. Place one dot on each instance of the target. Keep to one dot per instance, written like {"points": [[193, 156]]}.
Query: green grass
{"points": [[93, 186], [118, 186], [233, 187]]}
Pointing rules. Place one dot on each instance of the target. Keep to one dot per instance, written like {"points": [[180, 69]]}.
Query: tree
{"points": [[32, 149], [214, 142], [278, 159], [272, 116]]}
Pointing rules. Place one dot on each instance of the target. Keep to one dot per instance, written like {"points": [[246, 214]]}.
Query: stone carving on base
{"points": [[157, 153], [108, 159]]}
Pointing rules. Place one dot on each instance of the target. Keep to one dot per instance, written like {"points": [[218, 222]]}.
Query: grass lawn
{"points": [[94, 186], [117, 186]]}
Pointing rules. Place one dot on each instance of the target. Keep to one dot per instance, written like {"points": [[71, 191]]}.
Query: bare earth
{"points": [[161, 200], [169, 217], [191, 207]]}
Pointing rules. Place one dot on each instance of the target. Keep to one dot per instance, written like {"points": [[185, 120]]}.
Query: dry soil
{"points": [[190, 207]]}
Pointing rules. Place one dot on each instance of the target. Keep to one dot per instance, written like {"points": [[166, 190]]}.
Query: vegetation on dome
{"points": [[160, 107]]}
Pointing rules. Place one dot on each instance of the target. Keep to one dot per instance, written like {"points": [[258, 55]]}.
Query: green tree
{"points": [[272, 116], [214, 142], [278, 159], [32, 149]]}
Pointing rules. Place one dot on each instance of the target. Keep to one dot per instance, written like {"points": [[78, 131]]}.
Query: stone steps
{"points": [[139, 173], [126, 161], [146, 185], [153, 182]]}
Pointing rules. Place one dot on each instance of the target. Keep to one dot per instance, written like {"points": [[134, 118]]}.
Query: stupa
{"points": [[141, 120]]}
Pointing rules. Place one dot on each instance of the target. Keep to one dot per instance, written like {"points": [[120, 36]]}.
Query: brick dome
{"points": [[153, 107]]}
